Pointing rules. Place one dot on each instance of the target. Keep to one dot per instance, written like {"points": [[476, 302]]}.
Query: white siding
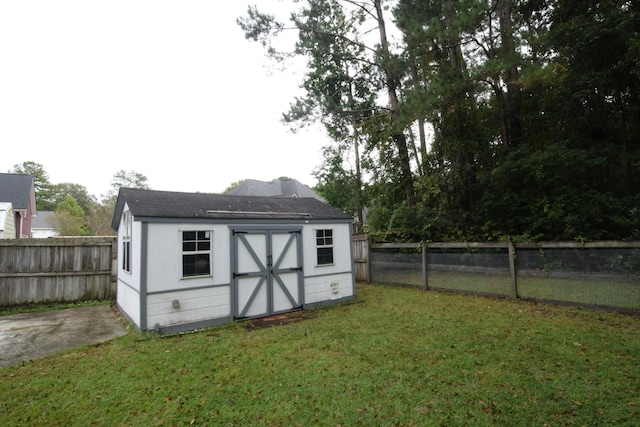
{"points": [[328, 282], [42, 233], [327, 288], [193, 305], [164, 257], [342, 261], [130, 278], [129, 302]]}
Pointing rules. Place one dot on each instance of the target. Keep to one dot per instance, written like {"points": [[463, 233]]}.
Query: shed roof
{"points": [[17, 189], [170, 204]]}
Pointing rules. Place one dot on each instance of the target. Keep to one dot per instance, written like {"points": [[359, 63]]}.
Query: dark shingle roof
{"points": [[169, 204], [16, 189], [275, 188], [43, 220]]}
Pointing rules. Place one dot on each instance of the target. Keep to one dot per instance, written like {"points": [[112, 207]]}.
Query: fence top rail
{"points": [[61, 241], [395, 245], [527, 245], [464, 245], [581, 245]]}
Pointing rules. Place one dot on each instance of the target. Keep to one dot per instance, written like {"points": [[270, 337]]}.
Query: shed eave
{"points": [[228, 220]]}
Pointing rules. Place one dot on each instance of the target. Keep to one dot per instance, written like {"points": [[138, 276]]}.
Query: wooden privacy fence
{"points": [[361, 257], [603, 274], [60, 269]]}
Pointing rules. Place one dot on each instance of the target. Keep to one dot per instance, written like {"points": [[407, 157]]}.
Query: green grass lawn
{"points": [[397, 356]]}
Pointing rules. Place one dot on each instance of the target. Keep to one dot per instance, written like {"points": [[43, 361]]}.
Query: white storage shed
{"points": [[192, 260]]}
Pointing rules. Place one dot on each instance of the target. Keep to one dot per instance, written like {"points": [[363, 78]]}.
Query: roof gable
{"points": [[169, 204], [18, 189]]}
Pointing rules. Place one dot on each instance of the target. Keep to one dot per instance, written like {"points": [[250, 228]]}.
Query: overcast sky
{"points": [[168, 89]]}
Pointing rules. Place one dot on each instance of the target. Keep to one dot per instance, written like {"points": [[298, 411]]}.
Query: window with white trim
{"points": [[324, 246], [126, 241], [196, 253]]}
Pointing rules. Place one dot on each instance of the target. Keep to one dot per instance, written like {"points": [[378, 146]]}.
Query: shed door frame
{"points": [[267, 273]]}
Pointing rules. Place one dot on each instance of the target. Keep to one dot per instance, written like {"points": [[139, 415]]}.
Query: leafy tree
{"points": [[336, 183], [344, 78], [534, 107], [69, 218], [99, 218], [77, 191], [45, 193], [130, 179], [531, 105]]}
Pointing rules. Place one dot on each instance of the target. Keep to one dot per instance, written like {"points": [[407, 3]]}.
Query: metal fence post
{"points": [[512, 268], [425, 269]]}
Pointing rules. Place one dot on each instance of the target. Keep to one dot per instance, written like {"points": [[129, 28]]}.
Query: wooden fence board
{"points": [[34, 271]]}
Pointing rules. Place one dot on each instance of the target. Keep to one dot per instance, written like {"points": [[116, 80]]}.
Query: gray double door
{"points": [[267, 271]]}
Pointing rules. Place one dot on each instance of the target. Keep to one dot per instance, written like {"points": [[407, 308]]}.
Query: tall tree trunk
{"points": [[356, 151], [454, 45], [420, 119], [511, 74], [399, 137]]}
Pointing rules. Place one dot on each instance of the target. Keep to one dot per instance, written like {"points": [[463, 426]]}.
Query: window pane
{"points": [[125, 256], [188, 265], [202, 264], [325, 256], [195, 265]]}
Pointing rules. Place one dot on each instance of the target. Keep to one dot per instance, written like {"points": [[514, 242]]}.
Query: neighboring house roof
{"points": [[18, 189], [169, 204], [275, 188], [43, 220]]}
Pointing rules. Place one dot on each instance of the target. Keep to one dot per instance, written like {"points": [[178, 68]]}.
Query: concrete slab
{"points": [[30, 336]]}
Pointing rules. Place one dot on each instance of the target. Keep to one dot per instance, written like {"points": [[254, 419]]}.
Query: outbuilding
{"points": [[192, 260]]}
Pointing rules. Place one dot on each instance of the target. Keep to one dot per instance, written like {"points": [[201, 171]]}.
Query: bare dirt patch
{"points": [[278, 319]]}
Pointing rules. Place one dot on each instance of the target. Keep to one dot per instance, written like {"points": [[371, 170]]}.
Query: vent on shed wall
{"points": [[335, 290]]}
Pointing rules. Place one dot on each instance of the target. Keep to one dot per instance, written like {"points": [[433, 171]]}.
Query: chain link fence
{"points": [[604, 275]]}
